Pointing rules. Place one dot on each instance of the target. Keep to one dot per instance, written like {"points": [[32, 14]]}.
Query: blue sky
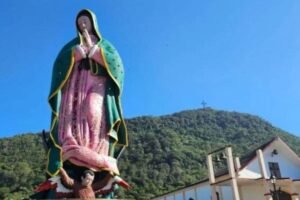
{"points": [[239, 56]]}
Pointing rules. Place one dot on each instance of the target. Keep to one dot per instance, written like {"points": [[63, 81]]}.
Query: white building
{"points": [[248, 178]]}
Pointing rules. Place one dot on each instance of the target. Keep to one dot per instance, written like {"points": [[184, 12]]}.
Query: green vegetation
{"points": [[22, 165], [165, 153]]}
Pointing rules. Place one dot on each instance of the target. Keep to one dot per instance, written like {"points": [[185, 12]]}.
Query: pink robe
{"points": [[82, 128]]}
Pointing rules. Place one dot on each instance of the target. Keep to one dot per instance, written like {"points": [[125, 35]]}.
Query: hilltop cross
{"points": [[204, 104]]}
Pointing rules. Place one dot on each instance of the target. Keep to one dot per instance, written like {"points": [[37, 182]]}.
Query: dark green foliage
{"points": [[22, 164], [164, 153]]}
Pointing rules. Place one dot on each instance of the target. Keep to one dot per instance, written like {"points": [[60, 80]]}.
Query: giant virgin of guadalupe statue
{"points": [[87, 125]]}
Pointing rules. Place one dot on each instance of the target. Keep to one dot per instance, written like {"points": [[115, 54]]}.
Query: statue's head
{"points": [[86, 19], [87, 178]]}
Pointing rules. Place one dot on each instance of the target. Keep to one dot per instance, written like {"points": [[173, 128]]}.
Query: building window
{"points": [[274, 169]]}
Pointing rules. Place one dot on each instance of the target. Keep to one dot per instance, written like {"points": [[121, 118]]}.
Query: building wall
{"points": [[297, 189], [225, 193], [289, 166], [170, 197], [179, 196], [251, 192], [197, 192], [204, 192]]}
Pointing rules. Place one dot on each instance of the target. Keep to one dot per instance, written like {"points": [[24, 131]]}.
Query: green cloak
{"points": [[62, 69]]}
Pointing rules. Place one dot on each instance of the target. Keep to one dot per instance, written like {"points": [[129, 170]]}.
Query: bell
{"points": [[218, 159], [223, 156]]}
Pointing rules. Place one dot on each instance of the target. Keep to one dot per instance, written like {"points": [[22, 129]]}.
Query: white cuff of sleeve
{"points": [[93, 50]]}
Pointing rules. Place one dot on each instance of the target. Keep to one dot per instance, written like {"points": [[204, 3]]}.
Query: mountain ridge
{"points": [[165, 152]]}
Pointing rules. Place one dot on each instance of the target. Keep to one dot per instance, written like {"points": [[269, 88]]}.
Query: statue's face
{"points": [[84, 22], [87, 180]]}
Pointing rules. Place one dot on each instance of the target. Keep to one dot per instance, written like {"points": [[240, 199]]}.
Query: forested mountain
{"points": [[164, 153]]}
